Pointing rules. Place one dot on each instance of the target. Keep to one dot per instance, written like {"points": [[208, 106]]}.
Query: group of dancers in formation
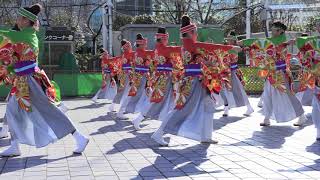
{"points": [[182, 86]]}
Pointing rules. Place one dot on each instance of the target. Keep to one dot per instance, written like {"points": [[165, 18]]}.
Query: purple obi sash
{"points": [[193, 70], [24, 68], [106, 70], [141, 69], [281, 65], [126, 67], [234, 66], [164, 68]]}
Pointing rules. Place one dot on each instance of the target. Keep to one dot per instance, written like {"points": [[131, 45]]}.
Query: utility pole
{"points": [[248, 25], [248, 19], [107, 26], [266, 17]]}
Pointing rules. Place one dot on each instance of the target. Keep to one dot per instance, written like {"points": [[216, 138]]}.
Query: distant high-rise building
{"points": [[133, 7]]}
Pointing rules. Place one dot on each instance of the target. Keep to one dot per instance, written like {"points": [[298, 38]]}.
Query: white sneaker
{"points": [[318, 134], [266, 122], [4, 132], [249, 111], [13, 150], [302, 120], [158, 137], [260, 104], [209, 141], [120, 115], [226, 111], [111, 107], [136, 122], [81, 142]]}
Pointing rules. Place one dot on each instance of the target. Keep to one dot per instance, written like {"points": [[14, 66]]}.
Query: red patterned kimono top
{"points": [[22, 48], [168, 62], [110, 66], [6, 58], [141, 69], [127, 65], [206, 61]]}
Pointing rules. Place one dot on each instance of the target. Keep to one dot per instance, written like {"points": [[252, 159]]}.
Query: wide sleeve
{"points": [[10, 34], [212, 47], [248, 42]]}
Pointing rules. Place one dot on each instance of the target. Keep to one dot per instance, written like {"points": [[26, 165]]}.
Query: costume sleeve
{"points": [[212, 47], [248, 42], [10, 34]]}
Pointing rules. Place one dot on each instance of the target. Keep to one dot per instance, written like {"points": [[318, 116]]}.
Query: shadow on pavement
{"points": [[91, 106]]}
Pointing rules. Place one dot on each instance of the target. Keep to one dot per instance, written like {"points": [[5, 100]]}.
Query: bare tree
{"points": [[172, 11], [287, 17], [204, 11]]}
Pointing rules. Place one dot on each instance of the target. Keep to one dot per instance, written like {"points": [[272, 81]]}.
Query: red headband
{"points": [[127, 45], [141, 41], [187, 29], [161, 36]]}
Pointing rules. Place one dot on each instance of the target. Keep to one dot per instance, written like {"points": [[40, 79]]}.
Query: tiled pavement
{"points": [[116, 151]]}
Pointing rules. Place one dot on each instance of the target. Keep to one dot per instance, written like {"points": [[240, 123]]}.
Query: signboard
{"points": [[59, 35]]}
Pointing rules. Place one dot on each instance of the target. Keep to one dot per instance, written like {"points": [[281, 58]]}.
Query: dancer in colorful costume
{"points": [[166, 72], [192, 116], [6, 77], [309, 76], [139, 79], [126, 61], [108, 88], [32, 117], [279, 101], [233, 93], [316, 97], [305, 92]]}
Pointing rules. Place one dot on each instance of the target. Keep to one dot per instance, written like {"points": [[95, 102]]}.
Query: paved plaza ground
{"points": [[117, 151]]}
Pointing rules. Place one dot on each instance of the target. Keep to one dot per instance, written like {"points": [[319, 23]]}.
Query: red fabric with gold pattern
{"points": [[214, 61], [142, 59], [166, 57], [126, 58], [6, 58], [111, 66], [215, 66]]}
